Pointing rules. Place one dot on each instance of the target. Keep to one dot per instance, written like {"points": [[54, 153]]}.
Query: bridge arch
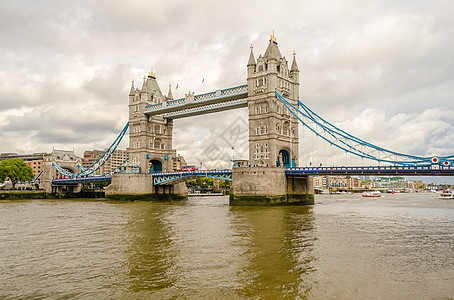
{"points": [[155, 166], [284, 158]]}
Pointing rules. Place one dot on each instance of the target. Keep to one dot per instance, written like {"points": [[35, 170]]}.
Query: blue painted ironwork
{"points": [[174, 177], [64, 181], [63, 171], [219, 100], [406, 170], [351, 144], [36, 177], [205, 109], [99, 163], [125, 161]]}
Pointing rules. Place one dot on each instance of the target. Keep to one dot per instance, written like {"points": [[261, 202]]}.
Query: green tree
{"points": [[15, 170], [224, 184]]}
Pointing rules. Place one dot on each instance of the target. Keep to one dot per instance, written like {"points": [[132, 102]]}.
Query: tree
{"points": [[16, 170]]}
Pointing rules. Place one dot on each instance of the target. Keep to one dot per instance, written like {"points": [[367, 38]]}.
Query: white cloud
{"points": [[380, 69]]}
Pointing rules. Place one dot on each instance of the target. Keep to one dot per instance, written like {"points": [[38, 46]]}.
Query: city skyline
{"points": [[380, 70]]}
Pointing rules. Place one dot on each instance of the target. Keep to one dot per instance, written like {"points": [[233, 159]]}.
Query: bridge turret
{"points": [[251, 63], [273, 131], [132, 91], [150, 137], [295, 76], [169, 94]]}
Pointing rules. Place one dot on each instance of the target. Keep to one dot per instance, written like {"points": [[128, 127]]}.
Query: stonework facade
{"points": [[150, 137], [273, 130]]}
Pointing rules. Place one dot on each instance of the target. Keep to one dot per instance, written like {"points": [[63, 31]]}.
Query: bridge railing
{"points": [[396, 170], [206, 97]]}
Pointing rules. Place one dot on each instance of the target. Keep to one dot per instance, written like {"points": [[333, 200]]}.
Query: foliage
{"points": [[207, 182], [15, 170]]}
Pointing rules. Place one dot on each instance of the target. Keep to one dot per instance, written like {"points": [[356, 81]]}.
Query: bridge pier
{"points": [[139, 186], [269, 186]]}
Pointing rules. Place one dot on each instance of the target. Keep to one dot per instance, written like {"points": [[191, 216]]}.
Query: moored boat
{"points": [[446, 194], [371, 194]]}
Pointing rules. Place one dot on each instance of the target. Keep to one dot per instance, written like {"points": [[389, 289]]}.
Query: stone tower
{"points": [[150, 137], [273, 130]]}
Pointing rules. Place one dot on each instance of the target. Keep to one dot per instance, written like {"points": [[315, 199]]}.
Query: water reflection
{"points": [[206, 250], [149, 238], [280, 243], [344, 247]]}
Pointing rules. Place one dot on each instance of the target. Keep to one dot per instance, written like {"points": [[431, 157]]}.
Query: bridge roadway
{"points": [[219, 100], [175, 177]]}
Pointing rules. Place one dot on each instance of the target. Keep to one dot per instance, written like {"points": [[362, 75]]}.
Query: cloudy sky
{"points": [[381, 70]]}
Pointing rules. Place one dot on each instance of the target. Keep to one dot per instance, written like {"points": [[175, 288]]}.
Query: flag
{"points": [[203, 80], [176, 87]]}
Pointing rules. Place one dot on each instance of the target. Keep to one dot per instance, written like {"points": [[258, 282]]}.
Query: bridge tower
{"points": [[150, 137], [273, 136], [273, 130]]}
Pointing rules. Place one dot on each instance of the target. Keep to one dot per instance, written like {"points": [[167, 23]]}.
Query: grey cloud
{"points": [[363, 64]]}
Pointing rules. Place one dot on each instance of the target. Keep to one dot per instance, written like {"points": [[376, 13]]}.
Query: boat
{"points": [[446, 194], [371, 194]]}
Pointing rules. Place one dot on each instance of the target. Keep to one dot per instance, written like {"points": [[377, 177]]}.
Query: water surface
{"points": [[398, 246]]}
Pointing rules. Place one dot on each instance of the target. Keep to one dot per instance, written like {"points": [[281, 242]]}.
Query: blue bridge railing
{"points": [[170, 178], [429, 170]]}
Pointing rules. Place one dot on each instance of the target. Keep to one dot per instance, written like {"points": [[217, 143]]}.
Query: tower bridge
{"points": [[273, 130], [272, 175]]}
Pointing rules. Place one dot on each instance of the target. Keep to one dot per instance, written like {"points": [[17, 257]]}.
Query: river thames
{"points": [[399, 246]]}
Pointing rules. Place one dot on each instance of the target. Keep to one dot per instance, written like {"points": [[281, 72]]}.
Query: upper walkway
{"points": [[193, 105]]}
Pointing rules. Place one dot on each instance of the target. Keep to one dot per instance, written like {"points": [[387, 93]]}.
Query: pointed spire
{"points": [[294, 67], [144, 85], [251, 61], [131, 92], [169, 95], [271, 54], [272, 51]]}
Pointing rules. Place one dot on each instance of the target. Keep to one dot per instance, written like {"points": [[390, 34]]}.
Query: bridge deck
{"points": [[175, 177], [432, 170], [219, 100]]}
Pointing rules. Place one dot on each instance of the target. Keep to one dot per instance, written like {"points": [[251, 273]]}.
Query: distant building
{"points": [[318, 182], [178, 162], [115, 160], [337, 182], [35, 160], [392, 182], [90, 157]]}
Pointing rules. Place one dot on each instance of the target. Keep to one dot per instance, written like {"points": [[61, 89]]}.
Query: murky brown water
{"points": [[345, 247]]}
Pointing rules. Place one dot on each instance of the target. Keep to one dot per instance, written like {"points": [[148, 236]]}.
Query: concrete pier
{"points": [[139, 186], [269, 186]]}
